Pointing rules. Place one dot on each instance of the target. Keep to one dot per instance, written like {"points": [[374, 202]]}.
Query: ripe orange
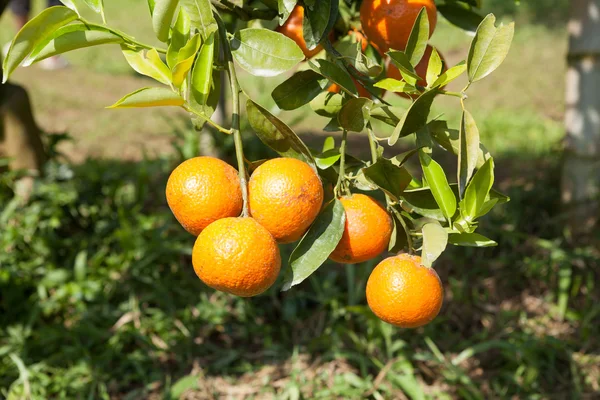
{"points": [[420, 69], [293, 29], [405, 293], [285, 196], [388, 23], [202, 190], [367, 230], [237, 256]]}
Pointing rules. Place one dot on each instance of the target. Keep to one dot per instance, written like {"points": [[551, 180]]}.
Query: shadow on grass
{"points": [[98, 297]]}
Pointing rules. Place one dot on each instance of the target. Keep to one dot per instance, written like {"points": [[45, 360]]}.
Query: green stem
{"points": [[460, 95], [235, 115], [218, 127], [126, 37], [372, 143], [342, 173]]}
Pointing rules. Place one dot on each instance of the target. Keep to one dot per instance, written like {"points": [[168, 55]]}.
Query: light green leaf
{"points": [[180, 35], [489, 48], [33, 33], [417, 41], [316, 246], [149, 97], [449, 139], [185, 59], [285, 8], [201, 16], [436, 178], [97, 6], [72, 37], [265, 53], [300, 89], [71, 5], [470, 240], [328, 158], [435, 240], [202, 74], [434, 68], [327, 104], [450, 75], [276, 134], [477, 191], [354, 115], [148, 62], [415, 117], [402, 62], [396, 86], [468, 151], [162, 17]]}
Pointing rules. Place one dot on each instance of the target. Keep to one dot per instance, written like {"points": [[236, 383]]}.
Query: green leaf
{"points": [[72, 37], [399, 239], [185, 59], [276, 134], [388, 177], [414, 118], [149, 97], [438, 183], [477, 191], [328, 158], [265, 53], [328, 143], [285, 8], [33, 33], [387, 114], [188, 382], [450, 75], [435, 240], [422, 202], [402, 62], [179, 37], [316, 246], [318, 21], [162, 17], [97, 6], [470, 240], [202, 73], [460, 15], [201, 16], [300, 89], [350, 49], [334, 73], [327, 104], [210, 103], [468, 151], [449, 139], [489, 48], [434, 68], [354, 115], [417, 41], [71, 5], [396, 86], [148, 62]]}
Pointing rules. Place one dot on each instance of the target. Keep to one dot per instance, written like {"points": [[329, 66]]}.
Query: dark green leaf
{"points": [[318, 21], [33, 33], [435, 240], [419, 35], [414, 118], [162, 17], [390, 178], [449, 139], [401, 60], [477, 191], [327, 104], [265, 53], [387, 114], [276, 134], [354, 115], [468, 151], [316, 246], [399, 239], [438, 183], [298, 90], [149, 97], [489, 48], [461, 16], [470, 240], [201, 16], [334, 73]]}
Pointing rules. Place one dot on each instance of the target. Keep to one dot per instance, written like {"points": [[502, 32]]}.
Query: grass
{"points": [[98, 300]]}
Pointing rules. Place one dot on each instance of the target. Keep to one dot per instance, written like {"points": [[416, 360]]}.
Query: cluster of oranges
{"points": [[236, 250], [386, 25], [239, 254]]}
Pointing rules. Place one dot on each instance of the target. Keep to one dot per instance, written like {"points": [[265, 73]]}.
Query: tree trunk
{"points": [[581, 168]]}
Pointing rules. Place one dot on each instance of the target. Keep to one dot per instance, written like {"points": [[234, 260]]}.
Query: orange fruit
{"points": [[420, 69], [237, 256], [362, 91], [404, 293], [285, 196], [202, 190], [388, 23], [293, 29], [367, 230]]}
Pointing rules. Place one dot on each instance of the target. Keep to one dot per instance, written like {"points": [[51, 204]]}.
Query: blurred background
{"points": [[98, 298]]}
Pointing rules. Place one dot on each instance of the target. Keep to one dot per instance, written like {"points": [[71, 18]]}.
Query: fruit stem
{"points": [[235, 116], [218, 127], [342, 172], [372, 143]]}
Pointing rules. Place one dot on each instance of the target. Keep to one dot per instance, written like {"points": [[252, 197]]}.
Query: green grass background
{"points": [[98, 298]]}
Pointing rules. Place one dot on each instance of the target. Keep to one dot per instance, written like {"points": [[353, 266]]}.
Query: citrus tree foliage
{"points": [[203, 37]]}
